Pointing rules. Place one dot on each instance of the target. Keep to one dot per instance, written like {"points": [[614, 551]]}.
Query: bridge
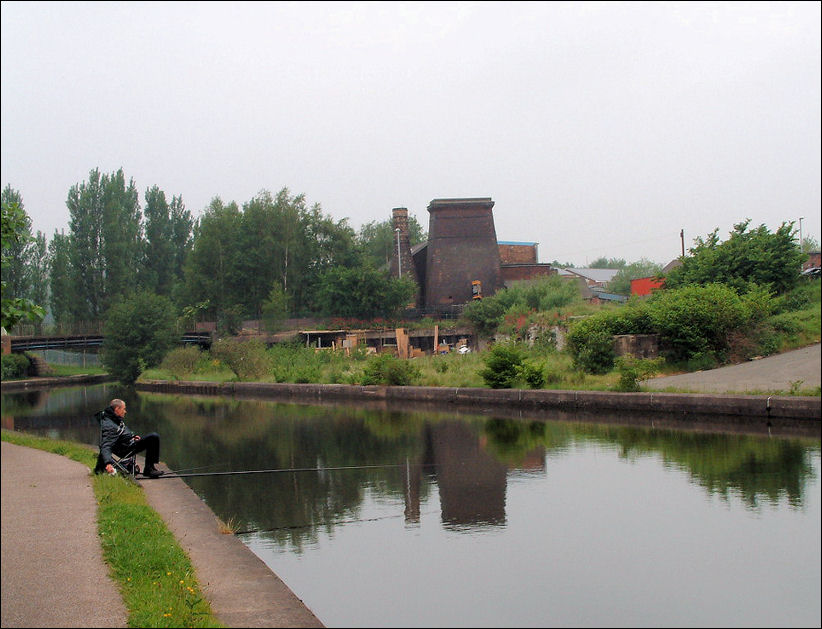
{"points": [[81, 341]]}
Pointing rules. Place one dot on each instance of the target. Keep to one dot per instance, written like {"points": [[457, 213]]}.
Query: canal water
{"points": [[380, 518]]}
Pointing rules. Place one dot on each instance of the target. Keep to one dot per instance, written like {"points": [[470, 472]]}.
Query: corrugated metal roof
{"points": [[597, 275]]}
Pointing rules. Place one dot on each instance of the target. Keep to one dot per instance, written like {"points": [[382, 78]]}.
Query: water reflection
{"points": [[434, 519], [469, 459]]}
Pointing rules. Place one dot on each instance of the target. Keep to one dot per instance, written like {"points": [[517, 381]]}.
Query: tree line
{"points": [[273, 256]]}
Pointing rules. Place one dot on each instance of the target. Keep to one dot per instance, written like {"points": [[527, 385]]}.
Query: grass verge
{"points": [[153, 573]]}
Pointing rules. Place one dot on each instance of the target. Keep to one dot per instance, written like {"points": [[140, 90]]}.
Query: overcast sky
{"points": [[599, 129]]}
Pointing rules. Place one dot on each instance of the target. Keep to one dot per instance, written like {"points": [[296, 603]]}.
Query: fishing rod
{"points": [[274, 471]]}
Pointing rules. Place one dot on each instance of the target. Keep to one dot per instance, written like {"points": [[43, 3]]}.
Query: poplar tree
{"points": [[106, 241], [62, 294], [157, 269]]}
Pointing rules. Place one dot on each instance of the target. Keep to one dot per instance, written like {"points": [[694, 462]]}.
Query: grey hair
{"points": [[116, 403]]}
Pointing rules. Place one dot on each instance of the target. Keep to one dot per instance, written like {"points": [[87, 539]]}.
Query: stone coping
{"points": [[756, 407]]}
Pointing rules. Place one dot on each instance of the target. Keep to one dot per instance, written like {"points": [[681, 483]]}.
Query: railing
{"points": [[30, 343], [77, 328]]}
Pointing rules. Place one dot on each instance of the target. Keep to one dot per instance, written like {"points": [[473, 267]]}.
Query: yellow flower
{"points": [[168, 574], [181, 581]]}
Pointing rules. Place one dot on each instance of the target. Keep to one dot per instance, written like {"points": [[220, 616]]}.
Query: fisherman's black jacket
{"points": [[114, 437]]}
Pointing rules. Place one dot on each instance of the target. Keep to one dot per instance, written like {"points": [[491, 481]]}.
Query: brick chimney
{"points": [[402, 264]]}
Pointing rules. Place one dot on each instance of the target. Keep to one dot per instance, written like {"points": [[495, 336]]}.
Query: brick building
{"points": [[462, 255]]}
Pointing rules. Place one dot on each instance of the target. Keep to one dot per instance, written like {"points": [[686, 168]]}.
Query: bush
{"points": [[248, 359], [632, 370], [533, 374], [591, 344], [698, 319], [503, 365], [390, 370], [15, 366], [182, 361]]}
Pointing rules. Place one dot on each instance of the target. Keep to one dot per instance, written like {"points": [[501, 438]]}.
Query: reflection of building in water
{"points": [[471, 482]]}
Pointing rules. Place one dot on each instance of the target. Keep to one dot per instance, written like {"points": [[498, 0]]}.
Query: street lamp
{"points": [[399, 257], [801, 247]]}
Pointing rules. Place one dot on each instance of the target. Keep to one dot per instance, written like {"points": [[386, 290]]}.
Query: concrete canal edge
{"points": [[758, 408], [14, 386]]}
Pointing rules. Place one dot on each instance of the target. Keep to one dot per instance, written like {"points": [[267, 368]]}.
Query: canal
{"points": [[424, 518]]}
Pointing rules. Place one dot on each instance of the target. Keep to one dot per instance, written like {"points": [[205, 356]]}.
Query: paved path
{"points": [[773, 373], [53, 573]]}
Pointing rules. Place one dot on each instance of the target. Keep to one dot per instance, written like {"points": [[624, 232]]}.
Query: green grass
{"points": [[154, 574], [75, 370]]}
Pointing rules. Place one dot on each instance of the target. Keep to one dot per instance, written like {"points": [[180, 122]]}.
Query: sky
{"points": [[598, 129]]}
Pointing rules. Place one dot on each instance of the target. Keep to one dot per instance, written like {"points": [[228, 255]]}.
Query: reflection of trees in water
{"points": [[254, 435], [223, 434], [247, 434], [64, 413], [54, 401], [753, 468]]}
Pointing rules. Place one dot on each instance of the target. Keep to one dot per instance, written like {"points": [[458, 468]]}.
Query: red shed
{"points": [[645, 285]]}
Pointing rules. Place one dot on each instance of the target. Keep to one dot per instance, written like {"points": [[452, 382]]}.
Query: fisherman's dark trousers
{"points": [[151, 444]]}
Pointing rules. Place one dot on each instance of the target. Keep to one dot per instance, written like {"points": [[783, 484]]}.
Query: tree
{"points": [[378, 239], [621, 282], [106, 241], [275, 308], [17, 251], [362, 292], [182, 225], [608, 263], [212, 269], [62, 294], [38, 270], [748, 256], [157, 268], [809, 244], [15, 231], [139, 330]]}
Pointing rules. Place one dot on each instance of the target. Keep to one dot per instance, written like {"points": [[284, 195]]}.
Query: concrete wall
{"points": [[745, 409], [638, 345]]}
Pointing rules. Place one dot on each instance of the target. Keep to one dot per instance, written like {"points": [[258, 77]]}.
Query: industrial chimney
{"points": [[463, 254]]}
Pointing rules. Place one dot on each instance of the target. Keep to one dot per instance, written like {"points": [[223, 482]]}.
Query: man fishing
{"points": [[116, 438]]}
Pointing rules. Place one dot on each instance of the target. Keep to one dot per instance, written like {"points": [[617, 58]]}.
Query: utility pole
{"points": [[801, 246], [682, 238], [399, 254]]}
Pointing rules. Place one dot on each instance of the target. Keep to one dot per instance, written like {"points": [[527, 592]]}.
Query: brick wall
{"points": [[517, 254]]}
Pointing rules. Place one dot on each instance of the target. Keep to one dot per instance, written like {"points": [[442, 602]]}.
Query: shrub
{"points": [[248, 359], [390, 370], [182, 361], [698, 319], [502, 366], [632, 370], [14, 366], [591, 344], [533, 374]]}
